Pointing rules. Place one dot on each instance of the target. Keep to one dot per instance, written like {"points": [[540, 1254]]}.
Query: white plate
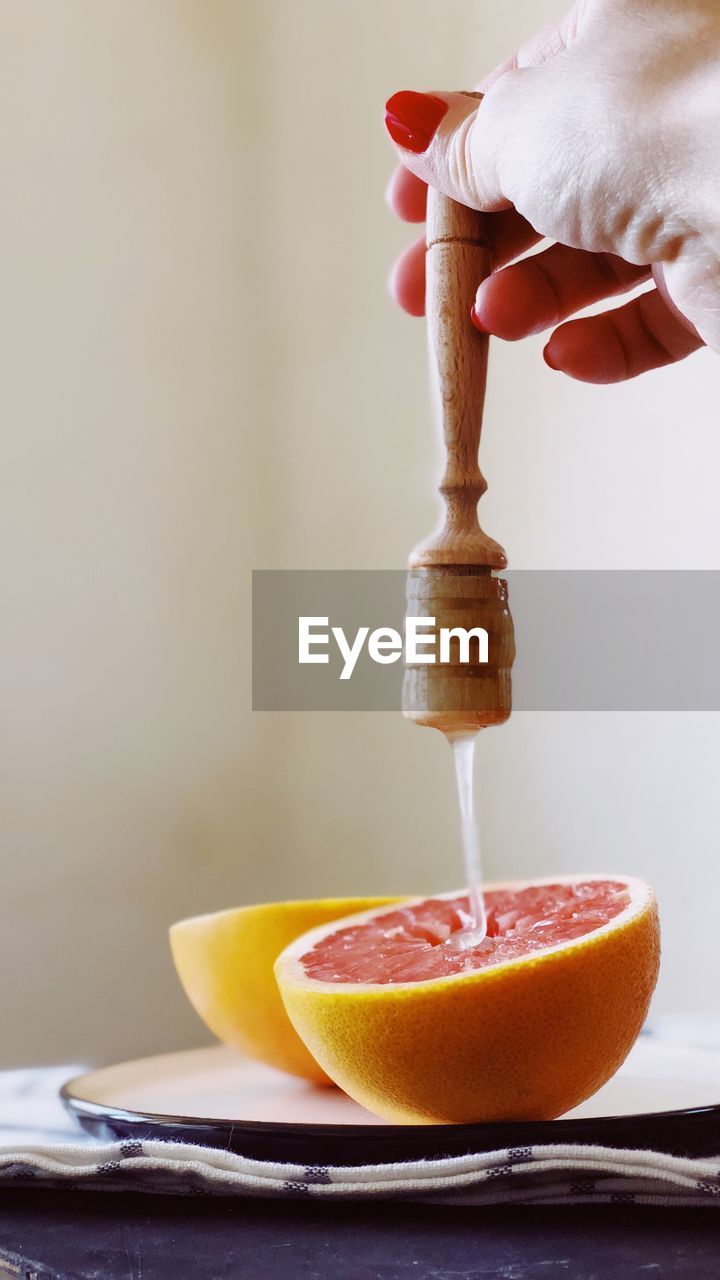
{"points": [[664, 1096]]}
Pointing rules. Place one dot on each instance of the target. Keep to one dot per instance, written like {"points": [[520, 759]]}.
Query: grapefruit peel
{"points": [[527, 1038]]}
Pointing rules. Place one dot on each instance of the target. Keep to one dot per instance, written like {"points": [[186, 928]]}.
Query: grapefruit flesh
{"points": [[525, 1026], [416, 943], [225, 964]]}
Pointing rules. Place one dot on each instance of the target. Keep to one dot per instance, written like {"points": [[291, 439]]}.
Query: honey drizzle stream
{"points": [[463, 747]]}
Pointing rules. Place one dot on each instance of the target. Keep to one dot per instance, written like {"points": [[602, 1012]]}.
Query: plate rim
{"points": [[79, 1106]]}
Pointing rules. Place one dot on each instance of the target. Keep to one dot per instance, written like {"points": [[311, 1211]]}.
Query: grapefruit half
{"points": [[525, 1026], [225, 964]]}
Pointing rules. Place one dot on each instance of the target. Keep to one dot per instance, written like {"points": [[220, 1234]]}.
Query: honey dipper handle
{"points": [[457, 261]]}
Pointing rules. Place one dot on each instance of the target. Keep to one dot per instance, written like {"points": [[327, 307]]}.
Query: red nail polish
{"points": [[412, 119], [477, 321]]}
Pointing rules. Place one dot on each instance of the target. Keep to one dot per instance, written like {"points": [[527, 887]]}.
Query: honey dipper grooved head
{"points": [[461, 696]]}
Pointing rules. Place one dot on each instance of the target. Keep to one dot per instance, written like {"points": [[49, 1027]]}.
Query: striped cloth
{"points": [[41, 1145]]}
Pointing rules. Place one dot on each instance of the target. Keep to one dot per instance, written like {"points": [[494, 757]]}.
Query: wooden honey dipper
{"points": [[451, 576]]}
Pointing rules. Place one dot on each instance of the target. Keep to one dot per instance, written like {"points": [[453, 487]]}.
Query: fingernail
{"points": [[412, 119], [549, 360], [477, 321]]}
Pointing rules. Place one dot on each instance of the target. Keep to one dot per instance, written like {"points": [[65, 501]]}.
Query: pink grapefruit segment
{"points": [[410, 944]]}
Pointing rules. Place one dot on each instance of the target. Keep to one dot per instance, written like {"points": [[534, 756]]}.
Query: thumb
{"points": [[452, 141]]}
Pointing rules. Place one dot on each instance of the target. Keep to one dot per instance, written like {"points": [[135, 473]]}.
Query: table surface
{"points": [[88, 1235]]}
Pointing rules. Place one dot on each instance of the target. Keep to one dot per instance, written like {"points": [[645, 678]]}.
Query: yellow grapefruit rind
{"points": [[525, 1040], [225, 964]]}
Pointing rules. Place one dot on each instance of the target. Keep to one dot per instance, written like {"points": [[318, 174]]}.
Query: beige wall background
{"points": [[201, 374]]}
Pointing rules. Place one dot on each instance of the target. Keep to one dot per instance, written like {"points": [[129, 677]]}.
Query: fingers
{"points": [[456, 144], [642, 335], [536, 293], [407, 279], [439, 140], [542, 290], [407, 195], [509, 235]]}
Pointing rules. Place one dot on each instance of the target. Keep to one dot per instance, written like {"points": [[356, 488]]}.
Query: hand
{"points": [[602, 135]]}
